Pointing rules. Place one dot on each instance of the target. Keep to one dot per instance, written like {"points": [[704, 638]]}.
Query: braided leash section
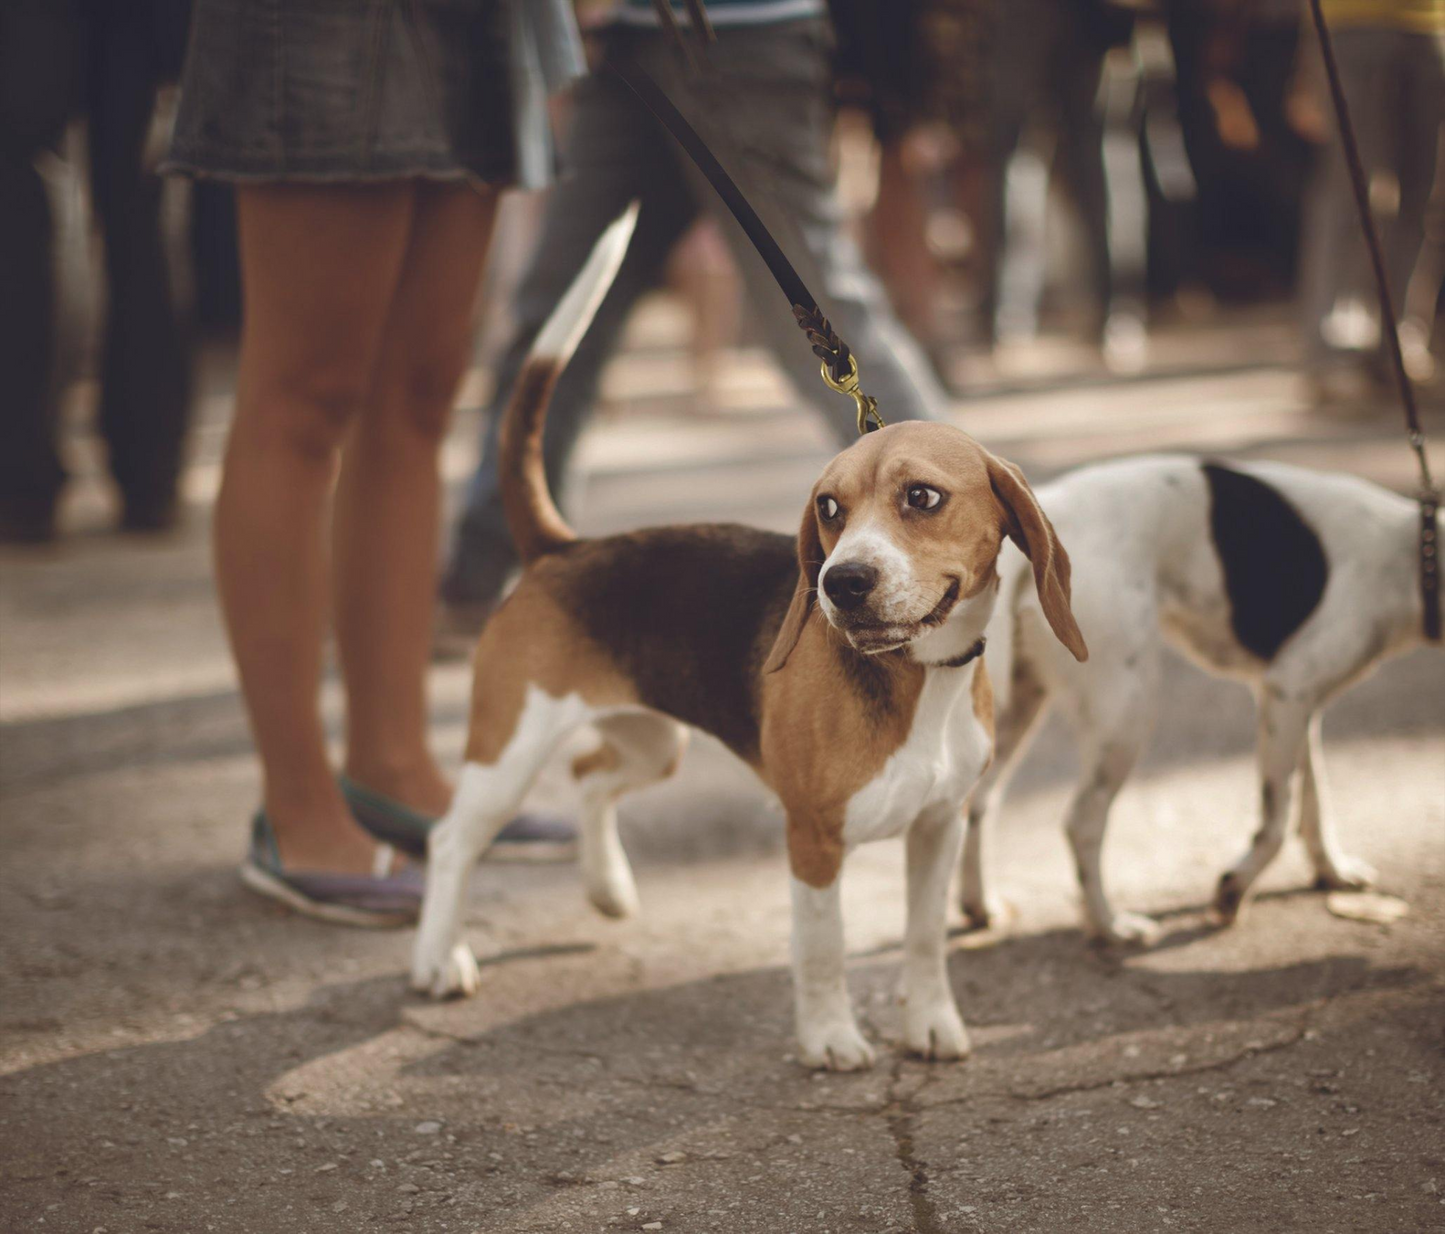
{"points": [[840, 365], [826, 344]]}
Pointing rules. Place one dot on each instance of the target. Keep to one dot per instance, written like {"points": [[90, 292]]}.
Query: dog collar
{"points": [[968, 657]]}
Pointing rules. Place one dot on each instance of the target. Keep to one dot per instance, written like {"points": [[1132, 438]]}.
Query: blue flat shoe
{"points": [[527, 838], [382, 899]]}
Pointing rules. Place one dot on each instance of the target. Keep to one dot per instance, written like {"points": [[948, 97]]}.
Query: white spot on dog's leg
{"points": [[455, 844], [485, 798], [828, 1036]]}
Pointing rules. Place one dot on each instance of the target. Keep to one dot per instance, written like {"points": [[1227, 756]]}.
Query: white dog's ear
{"points": [[1029, 528], [810, 563]]}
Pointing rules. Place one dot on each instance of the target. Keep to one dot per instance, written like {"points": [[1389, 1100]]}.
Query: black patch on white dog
{"points": [[1274, 565]]}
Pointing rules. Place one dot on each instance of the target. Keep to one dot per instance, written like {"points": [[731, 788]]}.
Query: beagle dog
{"points": [[843, 667], [1298, 583]]}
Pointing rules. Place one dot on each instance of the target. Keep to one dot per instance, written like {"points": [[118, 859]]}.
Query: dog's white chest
{"points": [[934, 769]]}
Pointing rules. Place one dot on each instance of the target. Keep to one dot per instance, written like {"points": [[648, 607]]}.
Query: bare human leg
{"points": [[320, 268], [387, 509]]}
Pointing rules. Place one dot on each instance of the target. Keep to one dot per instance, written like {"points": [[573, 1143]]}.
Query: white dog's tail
{"points": [[536, 524]]}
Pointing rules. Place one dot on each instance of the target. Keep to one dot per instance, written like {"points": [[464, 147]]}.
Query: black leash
{"points": [[1429, 495], [840, 366]]}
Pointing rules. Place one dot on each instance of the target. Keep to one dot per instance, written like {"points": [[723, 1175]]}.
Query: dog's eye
{"points": [[921, 497], [827, 509]]}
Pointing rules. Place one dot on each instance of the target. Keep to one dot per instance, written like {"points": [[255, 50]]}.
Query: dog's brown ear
{"points": [[1029, 528], [810, 562]]}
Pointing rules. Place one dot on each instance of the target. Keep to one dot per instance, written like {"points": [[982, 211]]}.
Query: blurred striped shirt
{"points": [[725, 12]]}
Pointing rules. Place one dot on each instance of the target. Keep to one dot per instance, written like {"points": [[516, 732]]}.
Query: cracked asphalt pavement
{"points": [[177, 1055]]}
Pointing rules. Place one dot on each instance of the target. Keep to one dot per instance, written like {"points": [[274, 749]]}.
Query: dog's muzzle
{"points": [[854, 606]]}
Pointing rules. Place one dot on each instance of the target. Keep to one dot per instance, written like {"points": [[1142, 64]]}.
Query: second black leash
{"points": [[1429, 495]]}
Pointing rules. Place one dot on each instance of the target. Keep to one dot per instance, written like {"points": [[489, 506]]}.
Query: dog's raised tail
{"points": [[536, 524]]}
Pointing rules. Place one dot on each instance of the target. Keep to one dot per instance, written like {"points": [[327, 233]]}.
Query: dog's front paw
{"points": [[1129, 930], [614, 895], [835, 1046], [1346, 874], [455, 975], [935, 1030], [989, 913]]}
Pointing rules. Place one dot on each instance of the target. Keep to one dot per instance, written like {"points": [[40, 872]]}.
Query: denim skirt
{"points": [[363, 90]]}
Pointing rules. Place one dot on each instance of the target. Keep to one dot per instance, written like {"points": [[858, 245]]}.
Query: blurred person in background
{"points": [[917, 72], [1391, 56], [105, 60], [1046, 62], [702, 271], [763, 103], [1252, 125], [366, 144]]}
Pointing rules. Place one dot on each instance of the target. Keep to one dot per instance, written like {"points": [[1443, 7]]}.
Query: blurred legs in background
{"points": [[1394, 84], [112, 57], [38, 68], [144, 365], [1046, 66], [917, 73], [701, 268]]}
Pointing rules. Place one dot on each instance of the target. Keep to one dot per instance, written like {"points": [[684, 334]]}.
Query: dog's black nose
{"points": [[849, 583]]}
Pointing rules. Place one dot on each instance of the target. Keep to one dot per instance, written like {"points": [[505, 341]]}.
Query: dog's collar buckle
{"points": [[968, 657]]}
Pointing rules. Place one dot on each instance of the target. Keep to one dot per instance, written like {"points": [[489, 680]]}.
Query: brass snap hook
{"points": [[868, 417]]}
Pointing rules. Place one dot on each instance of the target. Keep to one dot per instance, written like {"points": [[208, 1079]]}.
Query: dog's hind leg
{"points": [[1014, 725], [487, 795], [1112, 718], [638, 748], [1334, 870], [1107, 765], [1283, 735]]}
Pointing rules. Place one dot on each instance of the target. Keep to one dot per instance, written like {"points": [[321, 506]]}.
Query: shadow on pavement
{"points": [[319, 1107]]}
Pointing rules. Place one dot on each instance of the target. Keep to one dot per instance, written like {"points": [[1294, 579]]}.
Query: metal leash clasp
{"points": [[868, 417]]}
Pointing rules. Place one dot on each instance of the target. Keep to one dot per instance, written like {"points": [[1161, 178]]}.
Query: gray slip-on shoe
{"points": [[527, 838], [379, 900]]}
